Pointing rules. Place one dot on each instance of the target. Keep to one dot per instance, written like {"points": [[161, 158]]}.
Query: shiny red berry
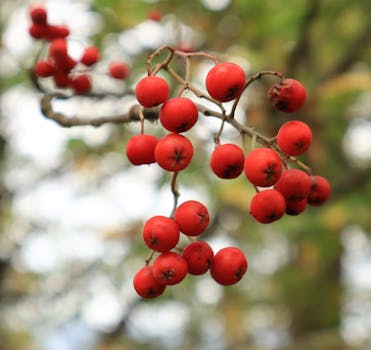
{"points": [[178, 114], [225, 81], [192, 217], [169, 268], [227, 161], [140, 149], [319, 192], [37, 31], [151, 91], [263, 167], [228, 266], [288, 95], [294, 184], [118, 70], [267, 206], [199, 256], [90, 56], [38, 15], [56, 32], [294, 137], [160, 233], [146, 285], [174, 152]]}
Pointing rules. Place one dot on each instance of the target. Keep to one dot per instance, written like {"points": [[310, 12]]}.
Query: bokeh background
{"points": [[72, 207]]}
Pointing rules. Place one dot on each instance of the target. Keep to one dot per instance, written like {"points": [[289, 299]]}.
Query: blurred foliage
{"points": [[325, 44]]}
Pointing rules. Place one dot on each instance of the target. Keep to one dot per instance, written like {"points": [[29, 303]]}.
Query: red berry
{"points": [[178, 114], [287, 96], [174, 152], [267, 206], [263, 167], [192, 218], [53, 32], [37, 31], [227, 161], [225, 81], [58, 51], [169, 268], [295, 207], [199, 256], [118, 70], [61, 79], [81, 84], [146, 285], [38, 15], [140, 149], [90, 56], [294, 184], [155, 15], [44, 69], [228, 266], [160, 233], [294, 137], [319, 191], [152, 91]]}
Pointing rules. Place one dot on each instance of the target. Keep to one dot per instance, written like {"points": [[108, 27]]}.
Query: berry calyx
{"points": [[295, 207], [199, 256], [118, 70], [267, 206], [228, 266], [319, 191], [160, 233], [225, 81], [263, 167], [151, 91], [294, 184], [288, 95], [178, 114], [294, 137], [140, 149], [169, 268], [174, 152], [192, 217], [146, 285], [227, 161]]}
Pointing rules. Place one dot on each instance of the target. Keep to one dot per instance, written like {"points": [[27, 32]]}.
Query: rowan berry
{"points": [[53, 32], [225, 81], [319, 191], [151, 91], [169, 268], [38, 15], [294, 184], [140, 149], [199, 256], [192, 217], [294, 207], [44, 69], [90, 56], [227, 161], [228, 266], [267, 206], [294, 137], [160, 233], [263, 167], [118, 70], [61, 79], [178, 114], [37, 31], [174, 152], [146, 285], [58, 51], [288, 95]]}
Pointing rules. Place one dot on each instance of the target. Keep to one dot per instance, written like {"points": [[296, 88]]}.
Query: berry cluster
{"points": [[280, 187], [67, 72]]}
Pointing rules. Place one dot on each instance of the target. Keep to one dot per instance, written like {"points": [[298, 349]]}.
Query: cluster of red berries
{"points": [[59, 64], [280, 189]]}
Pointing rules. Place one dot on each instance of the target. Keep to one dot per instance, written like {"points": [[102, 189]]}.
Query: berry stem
{"points": [[174, 191]]}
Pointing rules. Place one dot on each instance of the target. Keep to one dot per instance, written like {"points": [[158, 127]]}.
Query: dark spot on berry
{"points": [[182, 127], [230, 171], [282, 105]]}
